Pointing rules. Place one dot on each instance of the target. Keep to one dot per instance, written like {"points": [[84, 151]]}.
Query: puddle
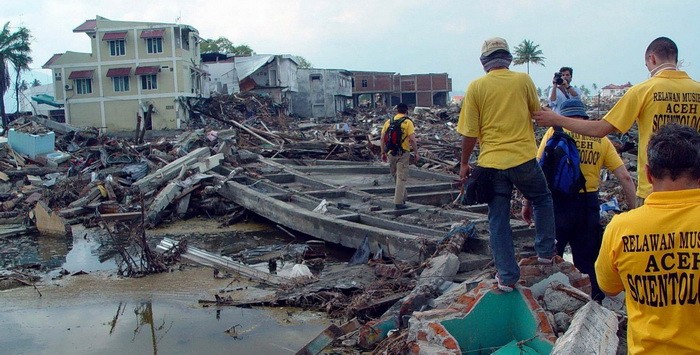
{"points": [[155, 327], [102, 313]]}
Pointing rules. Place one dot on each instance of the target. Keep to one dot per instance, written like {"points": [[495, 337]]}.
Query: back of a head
{"points": [[664, 49], [402, 108], [673, 152]]}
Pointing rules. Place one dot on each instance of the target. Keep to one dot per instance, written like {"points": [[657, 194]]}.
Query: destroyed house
{"points": [[132, 65], [387, 88], [265, 74], [613, 90], [322, 92]]}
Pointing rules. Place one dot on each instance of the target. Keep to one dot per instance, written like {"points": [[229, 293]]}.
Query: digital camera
{"points": [[557, 78]]}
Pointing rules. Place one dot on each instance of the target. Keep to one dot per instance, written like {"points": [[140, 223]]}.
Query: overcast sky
{"points": [[604, 41]]}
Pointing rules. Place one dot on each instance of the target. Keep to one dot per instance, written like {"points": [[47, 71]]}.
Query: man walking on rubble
{"points": [[577, 215], [398, 151], [651, 252], [496, 111], [669, 95]]}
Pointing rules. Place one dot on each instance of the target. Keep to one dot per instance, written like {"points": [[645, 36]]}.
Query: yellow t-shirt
{"points": [[497, 110], [595, 153], [407, 129], [653, 254], [670, 96]]}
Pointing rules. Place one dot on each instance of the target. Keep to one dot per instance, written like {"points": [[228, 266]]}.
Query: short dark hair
{"points": [[664, 48], [674, 151], [402, 108], [569, 69]]}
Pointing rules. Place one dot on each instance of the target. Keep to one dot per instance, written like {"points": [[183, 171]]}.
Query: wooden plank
{"points": [[170, 171]]}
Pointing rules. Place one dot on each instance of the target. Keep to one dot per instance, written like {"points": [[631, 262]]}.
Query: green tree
{"points": [[539, 91], [528, 52], [303, 63], [584, 90], [36, 82], [14, 48], [225, 46]]}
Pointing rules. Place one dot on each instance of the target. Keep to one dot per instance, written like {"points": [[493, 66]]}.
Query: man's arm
{"points": [[468, 144], [628, 188], [414, 146], [553, 94], [382, 144], [593, 128]]}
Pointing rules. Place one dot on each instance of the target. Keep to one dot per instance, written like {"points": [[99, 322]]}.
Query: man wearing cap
{"points": [[496, 111], [577, 216]]}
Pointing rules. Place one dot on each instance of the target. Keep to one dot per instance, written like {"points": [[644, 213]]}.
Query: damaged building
{"points": [[132, 65], [388, 89]]}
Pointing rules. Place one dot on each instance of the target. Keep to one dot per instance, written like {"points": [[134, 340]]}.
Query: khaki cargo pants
{"points": [[398, 165]]}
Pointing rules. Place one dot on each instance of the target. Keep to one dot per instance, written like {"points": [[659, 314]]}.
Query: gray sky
{"points": [[604, 41]]}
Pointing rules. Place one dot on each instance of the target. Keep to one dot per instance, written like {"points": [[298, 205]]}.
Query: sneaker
{"points": [[400, 206], [503, 287]]}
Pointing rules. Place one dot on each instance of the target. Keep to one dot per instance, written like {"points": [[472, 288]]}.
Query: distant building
{"points": [[266, 74], [388, 88], [615, 90], [40, 100], [132, 65], [322, 92]]}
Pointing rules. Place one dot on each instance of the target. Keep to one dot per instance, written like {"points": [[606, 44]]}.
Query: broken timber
{"points": [[205, 258], [170, 171], [357, 205]]}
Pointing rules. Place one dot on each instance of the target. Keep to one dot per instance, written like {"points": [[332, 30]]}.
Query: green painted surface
{"points": [[495, 321]]}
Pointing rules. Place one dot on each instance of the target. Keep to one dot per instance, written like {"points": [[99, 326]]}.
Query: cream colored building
{"points": [[132, 65]]}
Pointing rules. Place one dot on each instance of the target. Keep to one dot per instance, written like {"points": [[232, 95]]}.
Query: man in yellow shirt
{"points": [[668, 96], [400, 159], [496, 111], [653, 252], [577, 216]]}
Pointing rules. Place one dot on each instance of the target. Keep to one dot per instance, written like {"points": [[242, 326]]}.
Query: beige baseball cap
{"points": [[493, 44]]}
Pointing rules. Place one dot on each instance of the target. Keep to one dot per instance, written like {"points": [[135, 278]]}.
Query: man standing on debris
{"points": [[400, 157], [651, 252], [562, 88], [496, 111], [669, 95], [577, 216]]}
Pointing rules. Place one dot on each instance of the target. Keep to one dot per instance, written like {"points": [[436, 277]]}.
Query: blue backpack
{"points": [[561, 164]]}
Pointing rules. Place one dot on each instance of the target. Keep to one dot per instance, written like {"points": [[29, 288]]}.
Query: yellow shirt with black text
{"points": [[670, 96], [653, 254], [595, 153]]}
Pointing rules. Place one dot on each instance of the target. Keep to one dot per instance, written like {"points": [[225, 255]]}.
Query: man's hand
{"points": [[414, 158], [546, 117], [464, 172], [384, 158]]}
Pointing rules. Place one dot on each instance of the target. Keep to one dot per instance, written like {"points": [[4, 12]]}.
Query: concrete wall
{"points": [[322, 92]]}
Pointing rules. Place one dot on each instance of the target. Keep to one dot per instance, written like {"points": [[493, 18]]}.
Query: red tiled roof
{"points": [[153, 33], [87, 26], [52, 60], [118, 72], [112, 36], [148, 70], [81, 74]]}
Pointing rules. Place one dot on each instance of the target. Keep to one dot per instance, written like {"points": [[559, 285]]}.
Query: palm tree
{"points": [[14, 48], [527, 52]]}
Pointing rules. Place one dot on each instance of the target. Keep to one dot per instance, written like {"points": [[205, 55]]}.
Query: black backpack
{"points": [[393, 137], [560, 163]]}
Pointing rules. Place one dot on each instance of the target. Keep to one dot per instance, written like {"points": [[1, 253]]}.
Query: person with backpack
{"points": [[496, 112], [575, 188], [398, 140]]}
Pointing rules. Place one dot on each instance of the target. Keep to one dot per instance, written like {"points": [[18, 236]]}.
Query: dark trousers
{"points": [[577, 220]]}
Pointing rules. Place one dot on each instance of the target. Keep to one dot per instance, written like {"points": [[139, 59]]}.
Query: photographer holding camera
{"points": [[562, 89]]}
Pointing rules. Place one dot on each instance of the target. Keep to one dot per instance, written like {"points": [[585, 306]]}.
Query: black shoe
{"points": [[401, 206]]}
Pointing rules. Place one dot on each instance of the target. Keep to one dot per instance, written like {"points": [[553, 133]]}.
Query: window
{"points": [[154, 45], [121, 83], [57, 76], [364, 83], [117, 48], [315, 76], [149, 82], [83, 86]]}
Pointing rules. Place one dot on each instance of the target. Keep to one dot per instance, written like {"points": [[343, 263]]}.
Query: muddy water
{"points": [[100, 312]]}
